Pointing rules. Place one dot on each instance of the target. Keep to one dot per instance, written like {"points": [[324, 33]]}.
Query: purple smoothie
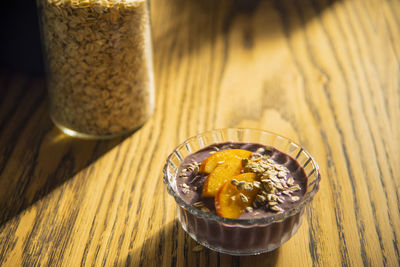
{"points": [[190, 183]]}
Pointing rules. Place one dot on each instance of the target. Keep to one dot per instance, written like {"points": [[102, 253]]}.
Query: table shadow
{"points": [[171, 246], [204, 20], [21, 45], [36, 157]]}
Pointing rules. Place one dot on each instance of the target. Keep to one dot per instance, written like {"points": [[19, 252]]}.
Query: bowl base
{"points": [[269, 247]]}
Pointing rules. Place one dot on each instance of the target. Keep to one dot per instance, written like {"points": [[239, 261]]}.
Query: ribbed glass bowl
{"points": [[240, 236]]}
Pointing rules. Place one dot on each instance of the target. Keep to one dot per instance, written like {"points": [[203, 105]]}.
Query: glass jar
{"points": [[98, 57]]}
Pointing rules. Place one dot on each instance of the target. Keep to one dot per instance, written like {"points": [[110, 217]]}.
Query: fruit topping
{"points": [[242, 181], [236, 195], [222, 166], [210, 163]]}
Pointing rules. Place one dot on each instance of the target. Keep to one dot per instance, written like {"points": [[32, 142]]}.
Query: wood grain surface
{"points": [[324, 73]]}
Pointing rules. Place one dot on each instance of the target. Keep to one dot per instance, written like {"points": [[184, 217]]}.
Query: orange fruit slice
{"points": [[229, 203], [210, 163], [220, 175]]}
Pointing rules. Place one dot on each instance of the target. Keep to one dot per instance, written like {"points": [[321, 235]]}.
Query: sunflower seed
{"points": [[260, 198], [234, 182], [281, 174], [248, 187], [295, 187], [290, 181], [257, 184], [275, 179], [185, 191], [265, 181], [295, 198], [249, 209], [243, 198], [275, 208], [260, 150], [279, 186], [190, 168], [198, 204], [255, 156], [195, 170], [280, 168], [264, 166]]}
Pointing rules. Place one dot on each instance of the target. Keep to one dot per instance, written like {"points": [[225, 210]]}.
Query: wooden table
{"points": [[324, 73]]}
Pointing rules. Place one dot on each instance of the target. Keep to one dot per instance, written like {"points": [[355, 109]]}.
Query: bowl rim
{"points": [[243, 222]]}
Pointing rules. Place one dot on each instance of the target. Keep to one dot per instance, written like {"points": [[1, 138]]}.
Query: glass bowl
{"points": [[240, 236]]}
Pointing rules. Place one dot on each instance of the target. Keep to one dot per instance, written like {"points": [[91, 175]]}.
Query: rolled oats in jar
{"points": [[99, 65]]}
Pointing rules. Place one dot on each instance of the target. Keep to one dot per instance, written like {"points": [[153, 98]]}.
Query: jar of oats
{"points": [[99, 68]]}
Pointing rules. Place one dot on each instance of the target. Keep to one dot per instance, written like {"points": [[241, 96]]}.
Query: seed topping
{"points": [[274, 181], [243, 198], [198, 204], [295, 198]]}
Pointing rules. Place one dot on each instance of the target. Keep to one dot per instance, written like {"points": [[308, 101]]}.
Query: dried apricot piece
{"points": [[210, 163], [230, 202], [220, 175]]}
